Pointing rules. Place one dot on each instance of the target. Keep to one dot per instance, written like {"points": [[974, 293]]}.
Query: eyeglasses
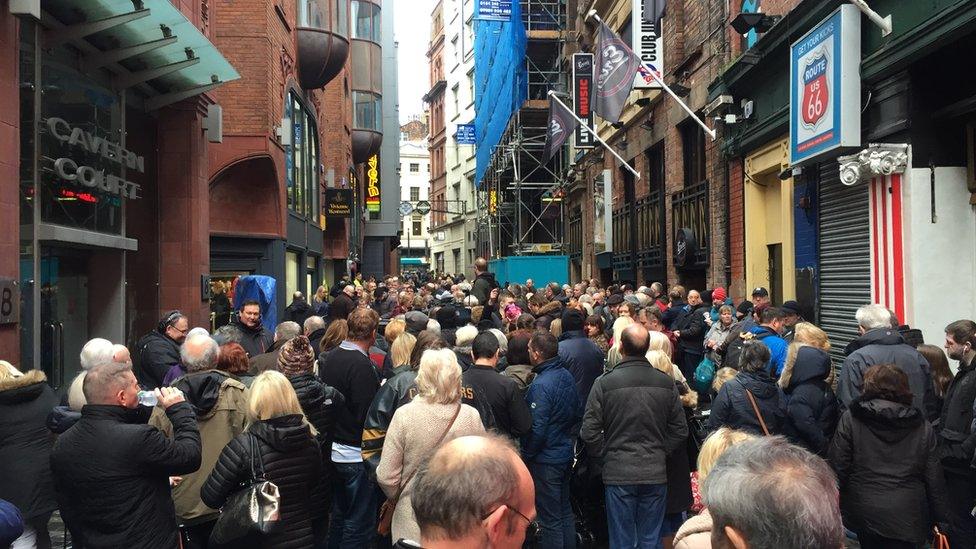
{"points": [[531, 528]]}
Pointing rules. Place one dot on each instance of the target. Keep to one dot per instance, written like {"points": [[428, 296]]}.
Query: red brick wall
{"points": [[9, 171], [737, 229]]}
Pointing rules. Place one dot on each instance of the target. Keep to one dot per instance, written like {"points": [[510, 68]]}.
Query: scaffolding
{"points": [[521, 194]]}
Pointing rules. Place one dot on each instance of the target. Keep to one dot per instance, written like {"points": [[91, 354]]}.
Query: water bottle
{"points": [[147, 398]]}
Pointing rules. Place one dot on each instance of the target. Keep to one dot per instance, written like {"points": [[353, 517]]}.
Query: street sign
{"points": [[498, 10], [465, 134], [406, 208], [423, 207]]}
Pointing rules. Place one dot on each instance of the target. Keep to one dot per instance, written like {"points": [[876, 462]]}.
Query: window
{"points": [[302, 160], [414, 193], [366, 20], [368, 110], [693, 153], [627, 31], [414, 167]]}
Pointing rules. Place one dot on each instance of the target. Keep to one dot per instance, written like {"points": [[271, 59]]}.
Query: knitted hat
{"points": [[296, 357], [719, 295]]}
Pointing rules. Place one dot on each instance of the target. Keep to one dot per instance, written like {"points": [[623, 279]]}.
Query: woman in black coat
{"points": [[810, 402], [884, 453], [731, 407], [25, 448], [290, 457]]}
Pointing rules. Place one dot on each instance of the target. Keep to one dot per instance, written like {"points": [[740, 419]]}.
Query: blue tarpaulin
{"points": [[263, 289], [501, 81]]}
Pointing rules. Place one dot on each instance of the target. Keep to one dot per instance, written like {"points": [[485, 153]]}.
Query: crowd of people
{"points": [[456, 413]]}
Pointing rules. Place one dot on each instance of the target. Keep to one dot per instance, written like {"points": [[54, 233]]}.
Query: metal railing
{"points": [[650, 230], [689, 209]]}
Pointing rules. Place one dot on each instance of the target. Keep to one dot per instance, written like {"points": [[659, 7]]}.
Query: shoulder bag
{"points": [[254, 509], [755, 408], [389, 506]]}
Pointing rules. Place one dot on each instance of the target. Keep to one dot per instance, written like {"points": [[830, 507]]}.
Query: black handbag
{"points": [[254, 509]]}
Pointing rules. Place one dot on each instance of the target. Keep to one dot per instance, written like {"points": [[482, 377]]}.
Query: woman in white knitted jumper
{"points": [[435, 416]]}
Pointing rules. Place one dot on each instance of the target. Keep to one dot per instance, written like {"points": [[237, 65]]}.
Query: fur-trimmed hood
{"points": [[32, 377]]}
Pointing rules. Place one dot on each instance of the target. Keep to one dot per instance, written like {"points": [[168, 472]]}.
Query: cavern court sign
{"points": [[69, 169]]}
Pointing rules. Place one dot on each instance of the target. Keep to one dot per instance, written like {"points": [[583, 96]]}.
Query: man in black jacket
{"points": [[633, 420], [255, 338], [299, 309], [957, 441], [499, 393], [349, 369], [343, 304], [484, 281], [159, 350], [111, 470], [689, 328]]}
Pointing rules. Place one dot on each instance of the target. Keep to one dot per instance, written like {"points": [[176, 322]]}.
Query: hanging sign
{"points": [[373, 184], [648, 45], [825, 86], [423, 207], [582, 86], [338, 202]]}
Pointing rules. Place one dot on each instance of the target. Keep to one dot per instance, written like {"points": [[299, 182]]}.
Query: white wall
{"points": [[941, 261], [414, 152]]}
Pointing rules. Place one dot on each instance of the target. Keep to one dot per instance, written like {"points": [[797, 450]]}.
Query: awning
{"points": [[412, 261], [148, 45]]}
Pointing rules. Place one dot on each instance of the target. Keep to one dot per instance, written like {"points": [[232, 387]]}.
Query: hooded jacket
{"points": [[484, 283], [633, 420], [157, 354], [957, 441], [777, 348], [695, 533], [255, 340], [320, 404], [556, 413], [810, 402], [25, 444], [731, 407], [290, 457], [583, 359], [111, 475], [219, 403], [891, 484], [886, 346]]}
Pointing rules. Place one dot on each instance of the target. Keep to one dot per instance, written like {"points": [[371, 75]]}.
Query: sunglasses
{"points": [[531, 528]]}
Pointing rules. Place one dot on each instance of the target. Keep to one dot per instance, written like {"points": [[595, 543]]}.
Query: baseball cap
{"points": [[761, 292]]}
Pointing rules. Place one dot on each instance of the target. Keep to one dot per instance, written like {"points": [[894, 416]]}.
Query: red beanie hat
{"points": [[718, 295]]}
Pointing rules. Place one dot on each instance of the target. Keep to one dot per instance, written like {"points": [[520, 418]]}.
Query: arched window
{"points": [[302, 159]]}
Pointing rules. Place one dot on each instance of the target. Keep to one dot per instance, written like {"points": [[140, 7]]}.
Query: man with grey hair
{"points": [[111, 470], [766, 493], [879, 343], [96, 351], [474, 491], [314, 329], [269, 360], [219, 402]]}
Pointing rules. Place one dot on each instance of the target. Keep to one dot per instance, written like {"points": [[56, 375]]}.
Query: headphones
{"points": [[168, 320]]}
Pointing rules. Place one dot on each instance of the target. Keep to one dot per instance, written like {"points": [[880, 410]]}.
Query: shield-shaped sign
{"points": [[816, 94]]}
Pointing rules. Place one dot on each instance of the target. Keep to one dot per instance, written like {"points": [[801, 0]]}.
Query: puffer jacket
{"points": [[957, 441], [255, 340], [582, 358], [156, 354], [556, 413], [397, 391], [220, 404], [320, 404], [810, 402], [731, 407], [695, 533], [633, 420], [891, 483], [25, 444], [290, 458], [111, 476], [887, 346]]}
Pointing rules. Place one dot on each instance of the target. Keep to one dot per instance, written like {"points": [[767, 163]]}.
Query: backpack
{"points": [[735, 348]]}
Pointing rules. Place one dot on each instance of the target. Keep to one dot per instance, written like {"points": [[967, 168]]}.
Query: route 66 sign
{"points": [[825, 87]]}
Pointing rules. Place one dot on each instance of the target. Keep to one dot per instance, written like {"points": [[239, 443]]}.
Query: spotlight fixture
{"points": [[759, 22]]}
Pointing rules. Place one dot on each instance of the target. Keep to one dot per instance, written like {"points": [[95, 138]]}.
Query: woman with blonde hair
{"points": [[806, 381], [435, 415], [613, 355], [400, 351], [280, 442], [393, 329], [696, 532]]}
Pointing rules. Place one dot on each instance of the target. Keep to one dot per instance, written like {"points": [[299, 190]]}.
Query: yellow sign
{"points": [[492, 201], [373, 184]]}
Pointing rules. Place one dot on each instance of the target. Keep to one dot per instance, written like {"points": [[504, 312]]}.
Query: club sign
{"points": [[825, 87]]}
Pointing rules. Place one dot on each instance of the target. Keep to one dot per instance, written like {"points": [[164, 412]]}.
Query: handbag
{"points": [[704, 374], [755, 408], [254, 509], [385, 522]]}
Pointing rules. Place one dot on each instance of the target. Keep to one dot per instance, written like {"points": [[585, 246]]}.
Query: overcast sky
{"points": [[413, 34]]}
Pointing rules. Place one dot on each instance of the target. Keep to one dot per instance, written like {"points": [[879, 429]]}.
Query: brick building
{"points": [[437, 140]]}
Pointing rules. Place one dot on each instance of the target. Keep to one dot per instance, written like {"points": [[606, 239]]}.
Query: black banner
{"points": [[582, 91], [338, 203]]}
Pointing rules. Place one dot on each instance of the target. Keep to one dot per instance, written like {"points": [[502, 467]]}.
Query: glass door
{"points": [[64, 313]]}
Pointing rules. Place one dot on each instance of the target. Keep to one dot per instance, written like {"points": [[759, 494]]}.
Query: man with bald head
{"points": [[484, 281], [111, 470], [690, 330], [474, 492], [633, 420]]}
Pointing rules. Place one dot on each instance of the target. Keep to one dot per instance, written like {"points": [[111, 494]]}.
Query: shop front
{"points": [[96, 226]]}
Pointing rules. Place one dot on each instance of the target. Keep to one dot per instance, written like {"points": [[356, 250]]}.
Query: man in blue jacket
{"points": [[772, 322], [580, 355], [548, 447]]}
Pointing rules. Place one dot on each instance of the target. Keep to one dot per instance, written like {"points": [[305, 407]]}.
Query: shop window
{"points": [[291, 274], [302, 160]]}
